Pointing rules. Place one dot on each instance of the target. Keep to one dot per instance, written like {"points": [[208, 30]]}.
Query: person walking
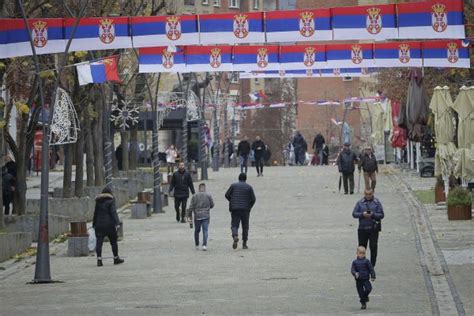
{"points": [[345, 162], [171, 155], [106, 224], [363, 272], [258, 147], [299, 144], [243, 151], [318, 143], [118, 156], [241, 199], [8, 187], [181, 183], [325, 154], [368, 163], [199, 209], [370, 213]]}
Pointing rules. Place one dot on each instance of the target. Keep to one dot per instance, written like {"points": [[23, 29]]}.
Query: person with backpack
{"points": [[368, 163], [346, 164]]}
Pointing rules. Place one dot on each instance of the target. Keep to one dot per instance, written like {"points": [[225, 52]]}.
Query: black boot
{"points": [[99, 262], [244, 245], [177, 216], [117, 260]]}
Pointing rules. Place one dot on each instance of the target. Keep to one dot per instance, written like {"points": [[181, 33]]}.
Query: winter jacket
{"points": [[181, 183], [368, 163], [376, 211], [345, 161], [364, 268], [230, 147], [318, 142], [258, 148], [243, 149], [8, 183], [240, 196], [299, 142], [200, 206], [105, 213]]}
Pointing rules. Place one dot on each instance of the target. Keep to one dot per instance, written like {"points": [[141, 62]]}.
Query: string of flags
{"points": [[436, 19]]}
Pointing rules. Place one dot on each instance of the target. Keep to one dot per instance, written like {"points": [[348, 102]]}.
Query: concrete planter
{"points": [[13, 243], [459, 212], [75, 209], [57, 225]]}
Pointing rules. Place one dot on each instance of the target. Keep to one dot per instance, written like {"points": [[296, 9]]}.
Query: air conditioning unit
{"points": [[347, 78]]}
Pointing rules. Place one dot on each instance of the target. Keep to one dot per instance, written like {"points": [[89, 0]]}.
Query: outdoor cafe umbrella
{"points": [[441, 104]]}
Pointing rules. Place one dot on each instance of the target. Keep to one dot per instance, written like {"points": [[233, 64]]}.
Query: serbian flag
{"points": [[434, 19], [447, 53], [300, 73], [98, 33], [299, 25], [376, 22], [398, 54], [98, 72], [208, 58], [302, 56], [154, 31], [47, 36], [349, 55], [161, 59], [347, 72], [255, 58], [260, 74], [241, 28]]}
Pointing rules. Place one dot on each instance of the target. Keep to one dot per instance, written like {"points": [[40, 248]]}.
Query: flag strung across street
{"points": [[254, 58], [302, 57], [349, 55], [398, 54], [98, 72], [161, 59], [208, 58], [450, 53]]}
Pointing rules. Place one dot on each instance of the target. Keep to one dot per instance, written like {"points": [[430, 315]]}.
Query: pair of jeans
{"points": [[370, 237], [243, 163], [363, 289], [259, 164], [348, 180], [237, 217], [7, 200], [198, 223], [180, 201], [370, 180], [100, 235]]}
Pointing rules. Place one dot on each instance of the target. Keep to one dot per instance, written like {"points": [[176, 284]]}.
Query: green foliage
{"points": [[425, 196], [459, 196]]}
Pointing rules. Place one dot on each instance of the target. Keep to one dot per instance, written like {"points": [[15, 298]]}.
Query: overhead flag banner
{"points": [[448, 53], [298, 25], [398, 54], [230, 28], [376, 22], [347, 72], [98, 72], [160, 59], [208, 58], [155, 31], [98, 33], [309, 73], [349, 56], [47, 36], [434, 19], [254, 58], [302, 56]]}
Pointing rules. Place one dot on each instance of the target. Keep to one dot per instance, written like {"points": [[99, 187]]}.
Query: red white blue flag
{"points": [[255, 58], [232, 28], [302, 56], [98, 72], [447, 53], [376, 22], [438, 19], [99, 33], [298, 25], [349, 56], [398, 54], [208, 58], [160, 59], [47, 36], [347, 72], [155, 31]]}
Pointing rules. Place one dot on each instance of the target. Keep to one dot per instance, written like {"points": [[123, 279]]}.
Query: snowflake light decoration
{"points": [[126, 115]]}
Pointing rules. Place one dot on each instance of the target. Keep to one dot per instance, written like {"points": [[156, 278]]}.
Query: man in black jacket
{"points": [[318, 147], [299, 144], [241, 200], [368, 163], [258, 148], [181, 183], [345, 162], [243, 151]]}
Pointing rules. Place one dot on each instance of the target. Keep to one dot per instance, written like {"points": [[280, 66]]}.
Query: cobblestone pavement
{"points": [[302, 241]]}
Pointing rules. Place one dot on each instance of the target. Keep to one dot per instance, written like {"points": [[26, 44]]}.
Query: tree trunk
{"points": [[133, 148], [79, 182], [67, 175], [89, 150], [19, 196], [98, 148], [124, 135], [115, 171], [2, 223]]}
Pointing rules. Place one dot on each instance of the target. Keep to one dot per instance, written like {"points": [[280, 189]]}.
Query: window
{"points": [[205, 2], [188, 2], [348, 78], [255, 4], [234, 4], [217, 3], [256, 81]]}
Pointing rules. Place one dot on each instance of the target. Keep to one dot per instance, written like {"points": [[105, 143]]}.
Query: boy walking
{"points": [[362, 271], [200, 207]]}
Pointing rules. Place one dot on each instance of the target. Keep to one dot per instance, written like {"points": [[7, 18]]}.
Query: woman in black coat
{"points": [[106, 223]]}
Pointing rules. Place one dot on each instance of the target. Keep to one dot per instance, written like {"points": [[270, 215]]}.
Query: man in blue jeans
{"points": [[243, 151], [200, 207]]}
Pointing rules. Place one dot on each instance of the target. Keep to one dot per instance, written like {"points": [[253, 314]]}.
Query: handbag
{"points": [[377, 226]]}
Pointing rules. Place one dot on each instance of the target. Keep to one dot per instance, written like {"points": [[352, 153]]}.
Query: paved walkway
{"points": [[302, 241]]}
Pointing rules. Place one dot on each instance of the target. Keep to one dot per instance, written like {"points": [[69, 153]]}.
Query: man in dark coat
{"points": [[318, 143], [118, 156], [369, 211], [299, 144], [258, 147], [345, 162], [8, 187], [243, 151], [230, 149], [368, 163], [241, 200], [106, 223], [181, 183]]}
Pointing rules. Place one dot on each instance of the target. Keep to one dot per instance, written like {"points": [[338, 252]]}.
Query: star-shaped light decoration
{"points": [[126, 115]]}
